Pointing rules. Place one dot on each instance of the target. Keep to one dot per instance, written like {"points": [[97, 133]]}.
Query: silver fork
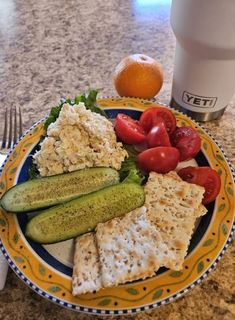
{"points": [[12, 131]]}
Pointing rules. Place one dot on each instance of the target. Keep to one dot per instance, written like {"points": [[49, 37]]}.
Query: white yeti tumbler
{"points": [[204, 68]]}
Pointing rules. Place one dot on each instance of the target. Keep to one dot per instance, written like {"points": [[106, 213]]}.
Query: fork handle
{"points": [[3, 271]]}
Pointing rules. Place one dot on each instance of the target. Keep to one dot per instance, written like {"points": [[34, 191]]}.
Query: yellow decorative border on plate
{"points": [[139, 295]]}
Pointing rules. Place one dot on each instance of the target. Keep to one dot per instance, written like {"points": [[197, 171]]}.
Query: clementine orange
{"points": [[138, 75]]}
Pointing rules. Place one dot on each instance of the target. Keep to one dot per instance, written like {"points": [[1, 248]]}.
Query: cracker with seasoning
{"points": [[86, 270], [173, 206], [127, 248]]}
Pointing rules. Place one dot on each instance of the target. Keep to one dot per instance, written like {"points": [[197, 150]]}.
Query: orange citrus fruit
{"points": [[139, 76]]}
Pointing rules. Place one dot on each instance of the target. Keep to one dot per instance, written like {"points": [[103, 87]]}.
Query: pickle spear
{"points": [[82, 215], [48, 191]]}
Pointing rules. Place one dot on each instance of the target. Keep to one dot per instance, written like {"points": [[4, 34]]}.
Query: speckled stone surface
{"points": [[51, 48]]}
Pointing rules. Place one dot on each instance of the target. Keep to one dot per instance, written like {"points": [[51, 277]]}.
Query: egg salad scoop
{"points": [[78, 139]]}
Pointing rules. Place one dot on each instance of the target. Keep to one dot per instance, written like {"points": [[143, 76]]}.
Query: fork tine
{"points": [[20, 124], [10, 130], [15, 126], [4, 139]]}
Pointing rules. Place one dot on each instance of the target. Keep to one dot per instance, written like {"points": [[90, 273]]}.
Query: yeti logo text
{"points": [[198, 101]]}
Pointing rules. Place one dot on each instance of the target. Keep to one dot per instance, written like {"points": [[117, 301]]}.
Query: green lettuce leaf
{"points": [[133, 176], [89, 99], [33, 172], [129, 171]]}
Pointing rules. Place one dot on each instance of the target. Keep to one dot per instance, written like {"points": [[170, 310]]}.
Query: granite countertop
{"points": [[59, 48]]}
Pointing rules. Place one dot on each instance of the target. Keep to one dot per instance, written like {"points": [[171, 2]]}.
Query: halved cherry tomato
{"points": [[159, 159], [205, 177], [151, 115], [188, 147], [158, 136], [182, 132], [129, 130], [187, 141]]}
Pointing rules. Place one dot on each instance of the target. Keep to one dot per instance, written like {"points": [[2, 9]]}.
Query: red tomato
{"points": [[188, 147], [151, 115], [129, 130], [159, 159], [205, 177], [182, 132], [187, 140], [158, 136]]}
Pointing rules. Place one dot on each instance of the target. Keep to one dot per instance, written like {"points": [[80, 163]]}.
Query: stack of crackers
{"points": [[136, 245]]}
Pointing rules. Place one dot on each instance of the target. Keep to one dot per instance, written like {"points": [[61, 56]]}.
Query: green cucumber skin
{"points": [[82, 215], [48, 191]]}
